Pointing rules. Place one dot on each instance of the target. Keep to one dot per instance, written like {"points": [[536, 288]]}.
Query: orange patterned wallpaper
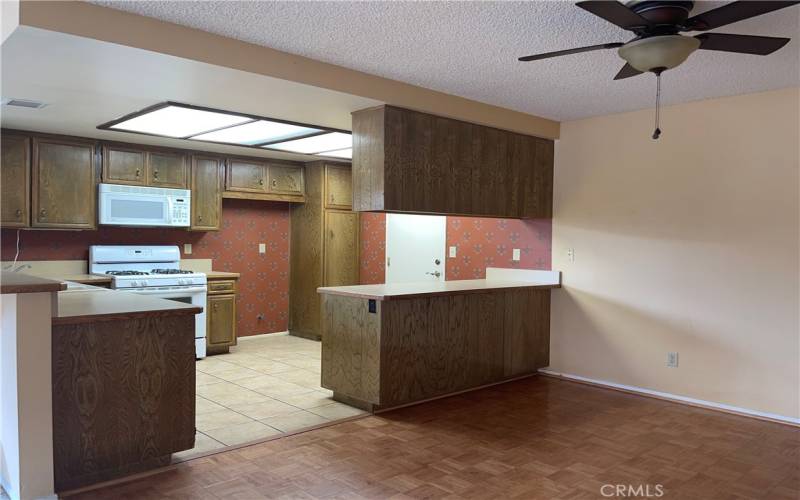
{"points": [[264, 281], [480, 243]]}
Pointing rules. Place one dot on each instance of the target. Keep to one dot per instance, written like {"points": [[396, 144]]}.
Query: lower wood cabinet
{"points": [[64, 184], [221, 315]]}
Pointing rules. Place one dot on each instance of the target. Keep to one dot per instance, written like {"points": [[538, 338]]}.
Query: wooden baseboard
{"points": [[305, 335], [672, 398]]}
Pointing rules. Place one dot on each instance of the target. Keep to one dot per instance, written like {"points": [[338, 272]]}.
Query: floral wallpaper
{"points": [[264, 281], [480, 243]]}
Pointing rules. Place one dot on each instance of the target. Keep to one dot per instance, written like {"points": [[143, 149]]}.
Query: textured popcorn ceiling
{"points": [[470, 49]]}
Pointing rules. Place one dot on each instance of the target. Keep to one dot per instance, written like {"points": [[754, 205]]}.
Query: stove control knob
{"points": [[134, 283], [181, 281], [142, 283]]}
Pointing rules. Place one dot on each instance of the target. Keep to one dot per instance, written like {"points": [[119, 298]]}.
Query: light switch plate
{"points": [[515, 255], [452, 252], [262, 248], [187, 249]]}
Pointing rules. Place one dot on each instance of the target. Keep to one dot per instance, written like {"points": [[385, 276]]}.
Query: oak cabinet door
{"points": [[246, 176], [221, 327], [341, 248], [15, 181], [286, 179], [64, 184], [206, 204], [123, 165], [166, 169], [338, 187]]}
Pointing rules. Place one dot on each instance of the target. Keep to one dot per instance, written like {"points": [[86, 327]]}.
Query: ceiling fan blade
{"points": [[745, 44], [615, 13], [627, 71], [557, 53], [732, 12]]}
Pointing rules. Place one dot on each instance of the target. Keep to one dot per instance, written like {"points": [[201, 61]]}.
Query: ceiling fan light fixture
{"points": [[658, 52]]}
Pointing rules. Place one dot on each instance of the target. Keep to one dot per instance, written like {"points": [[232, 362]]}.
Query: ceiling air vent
{"points": [[24, 103]]}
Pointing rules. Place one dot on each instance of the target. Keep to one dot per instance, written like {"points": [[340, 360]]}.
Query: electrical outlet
{"points": [[452, 252], [187, 249], [571, 254], [262, 248], [672, 360], [515, 255]]}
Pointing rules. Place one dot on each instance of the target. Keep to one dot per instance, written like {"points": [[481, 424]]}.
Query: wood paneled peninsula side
{"points": [[123, 383], [395, 344]]}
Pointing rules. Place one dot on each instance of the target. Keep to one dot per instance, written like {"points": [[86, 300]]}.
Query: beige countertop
{"points": [[84, 278], [23, 283], [89, 304], [221, 274], [424, 289]]}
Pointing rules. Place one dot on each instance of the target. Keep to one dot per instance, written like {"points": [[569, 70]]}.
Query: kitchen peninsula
{"points": [[394, 344]]}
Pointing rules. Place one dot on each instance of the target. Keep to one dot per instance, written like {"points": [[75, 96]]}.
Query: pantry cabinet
{"points": [[15, 181], [123, 164], [249, 178], [63, 183], [221, 314], [324, 250], [206, 185]]}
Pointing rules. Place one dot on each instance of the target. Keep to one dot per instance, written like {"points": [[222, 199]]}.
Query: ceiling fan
{"points": [[658, 44]]}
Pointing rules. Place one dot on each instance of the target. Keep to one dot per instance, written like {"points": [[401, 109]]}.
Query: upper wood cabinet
{"points": [[124, 164], [15, 178], [64, 184], [408, 161], [207, 172], [338, 186], [249, 178]]}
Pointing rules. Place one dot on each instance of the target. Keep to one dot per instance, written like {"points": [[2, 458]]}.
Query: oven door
{"points": [[135, 209], [194, 295]]}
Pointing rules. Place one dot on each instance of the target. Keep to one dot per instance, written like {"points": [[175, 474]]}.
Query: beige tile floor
{"points": [[268, 385]]}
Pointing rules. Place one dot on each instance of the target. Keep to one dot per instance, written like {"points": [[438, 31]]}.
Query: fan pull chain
{"points": [[657, 131]]}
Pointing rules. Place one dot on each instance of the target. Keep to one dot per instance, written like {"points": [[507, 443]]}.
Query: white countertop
{"points": [[496, 279]]}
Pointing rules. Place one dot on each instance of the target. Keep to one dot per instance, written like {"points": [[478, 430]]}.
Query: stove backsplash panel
{"points": [[264, 281]]}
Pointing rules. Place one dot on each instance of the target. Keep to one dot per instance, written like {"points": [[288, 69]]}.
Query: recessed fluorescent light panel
{"points": [[259, 132], [175, 121], [318, 144], [184, 121]]}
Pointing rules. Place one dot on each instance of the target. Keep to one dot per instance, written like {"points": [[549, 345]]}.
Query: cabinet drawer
{"points": [[286, 179], [221, 286]]}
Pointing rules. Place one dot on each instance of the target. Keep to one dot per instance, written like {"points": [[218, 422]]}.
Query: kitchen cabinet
{"points": [[338, 187], [249, 178], [221, 315], [408, 161], [324, 250], [64, 183], [15, 181], [129, 164], [206, 185]]}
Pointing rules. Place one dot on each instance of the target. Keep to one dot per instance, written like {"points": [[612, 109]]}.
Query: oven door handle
{"points": [[152, 291]]}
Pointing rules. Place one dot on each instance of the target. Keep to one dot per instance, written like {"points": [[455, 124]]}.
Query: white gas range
{"points": [[154, 271]]}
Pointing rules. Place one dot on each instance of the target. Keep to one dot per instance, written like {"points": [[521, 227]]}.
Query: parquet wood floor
{"points": [[529, 439]]}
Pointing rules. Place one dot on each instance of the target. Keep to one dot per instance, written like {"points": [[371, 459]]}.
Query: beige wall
{"points": [[686, 244]]}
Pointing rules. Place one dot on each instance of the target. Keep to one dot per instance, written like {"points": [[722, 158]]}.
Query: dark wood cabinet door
{"points": [[246, 176], [166, 169], [15, 181], [286, 179], [123, 165], [341, 248], [206, 193], [221, 326], [63, 184], [338, 187]]}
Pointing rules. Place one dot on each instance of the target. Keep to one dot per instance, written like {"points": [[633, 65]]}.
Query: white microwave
{"points": [[122, 205]]}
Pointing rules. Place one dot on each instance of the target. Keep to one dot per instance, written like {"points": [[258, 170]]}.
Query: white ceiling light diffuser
{"points": [[176, 121], [258, 132], [341, 153], [332, 141]]}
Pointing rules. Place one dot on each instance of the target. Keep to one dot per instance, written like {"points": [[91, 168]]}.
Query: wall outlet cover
{"points": [[262, 248], [452, 252], [187, 249], [515, 255], [672, 360]]}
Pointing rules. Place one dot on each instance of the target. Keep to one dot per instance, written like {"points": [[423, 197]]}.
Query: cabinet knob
{"points": [[155, 174], [138, 172], [215, 306], [200, 218], [18, 212], [274, 182], [43, 212], [261, 182]]}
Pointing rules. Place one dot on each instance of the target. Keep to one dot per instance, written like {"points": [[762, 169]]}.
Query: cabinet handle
{"points": [[138, 172], [43, 212], [331, 197], [200, 218], [274, 182], [18, 212], [261, 182], [155, 174], [215, 306]]}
